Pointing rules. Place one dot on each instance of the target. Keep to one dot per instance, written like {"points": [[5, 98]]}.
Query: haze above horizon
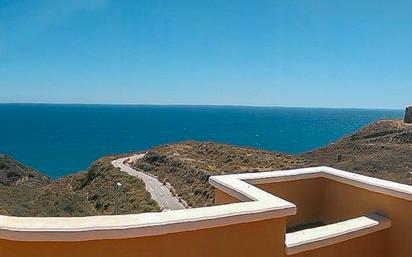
{"points": [[266, 53]]}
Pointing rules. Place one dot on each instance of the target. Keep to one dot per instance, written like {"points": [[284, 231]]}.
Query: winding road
{"points": [[159, 192]]}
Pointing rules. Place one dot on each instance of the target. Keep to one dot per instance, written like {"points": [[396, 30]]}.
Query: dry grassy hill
{"points": [[18, 186], [382, 149], [25, 192], [188, 165]]}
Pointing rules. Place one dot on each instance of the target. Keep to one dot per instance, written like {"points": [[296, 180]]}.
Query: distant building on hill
{"points": [[408, 115]]}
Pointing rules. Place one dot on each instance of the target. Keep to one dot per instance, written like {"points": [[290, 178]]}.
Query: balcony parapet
{"points": [[255, 205]]}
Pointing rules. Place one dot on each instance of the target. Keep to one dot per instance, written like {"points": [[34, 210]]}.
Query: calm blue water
{"points": [[61, 139]]}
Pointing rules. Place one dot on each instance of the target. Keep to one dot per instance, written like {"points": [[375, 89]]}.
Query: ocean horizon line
{"points": [[196, 105]]}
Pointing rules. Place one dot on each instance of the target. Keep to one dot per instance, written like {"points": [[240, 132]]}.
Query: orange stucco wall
{"points": [[341, 201], [305, 194], [310, 199], [223, 198], [260, 239], [330, 201]]}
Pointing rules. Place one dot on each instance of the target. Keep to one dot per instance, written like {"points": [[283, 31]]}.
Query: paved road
{"points": [[160, 193]]}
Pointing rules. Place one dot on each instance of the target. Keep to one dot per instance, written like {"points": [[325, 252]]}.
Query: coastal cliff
{"points": [[18, 186], [382, 149]]}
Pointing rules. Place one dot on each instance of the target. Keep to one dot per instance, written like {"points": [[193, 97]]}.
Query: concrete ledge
{"points": [[258, 205], [309, 239], [385, 187]]}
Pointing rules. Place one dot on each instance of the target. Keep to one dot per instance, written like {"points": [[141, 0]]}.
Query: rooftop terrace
{"points": [[304, 212]]}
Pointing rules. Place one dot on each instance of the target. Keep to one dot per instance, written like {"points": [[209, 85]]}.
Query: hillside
{"points": [[13, 173], [382, 149], [188, 165], [94, 193], [18, 186], [28, 193]]}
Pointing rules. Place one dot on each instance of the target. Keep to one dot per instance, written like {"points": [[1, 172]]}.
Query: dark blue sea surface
{"points": [[62, 139]]}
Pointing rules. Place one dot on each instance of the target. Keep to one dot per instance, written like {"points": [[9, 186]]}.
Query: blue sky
{"points": [[280, 53]]}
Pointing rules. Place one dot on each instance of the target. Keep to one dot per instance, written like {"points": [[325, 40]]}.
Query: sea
{"points": [[58, 139]]}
